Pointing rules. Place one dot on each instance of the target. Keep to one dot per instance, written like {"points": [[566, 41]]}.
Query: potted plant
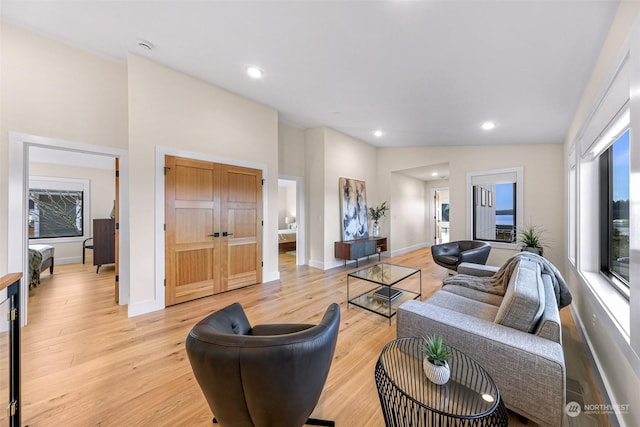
{"points": [[376, 214], [529, 236], [436, 354]]}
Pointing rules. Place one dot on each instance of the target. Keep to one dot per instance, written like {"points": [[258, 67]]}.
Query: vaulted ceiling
{"points": [[422, 72]]}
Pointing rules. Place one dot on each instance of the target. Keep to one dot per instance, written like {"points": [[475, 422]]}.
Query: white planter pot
{"points": [[376, 230], [437, 374]]}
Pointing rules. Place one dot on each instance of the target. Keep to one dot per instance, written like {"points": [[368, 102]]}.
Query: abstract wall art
{"points": [[353, 209]]}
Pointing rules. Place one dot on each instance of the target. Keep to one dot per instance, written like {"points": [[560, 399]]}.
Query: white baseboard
{"points": [[149, 306], [270, 276], [70, 260], [316, 264], [410, 249]]}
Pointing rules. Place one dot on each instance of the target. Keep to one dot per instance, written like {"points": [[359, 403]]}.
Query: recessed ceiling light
{"points": [[254, 72], [488, 125], [434, 174], [144, 44], [378, 133]]}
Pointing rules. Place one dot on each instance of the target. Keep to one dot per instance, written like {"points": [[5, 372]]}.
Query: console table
{"points": [[356, 249]]}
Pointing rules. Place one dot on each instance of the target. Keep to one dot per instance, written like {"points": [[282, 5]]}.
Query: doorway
{"points": [[213, 224], [441, 229], [287, 222], [291, 237], [19, 148]]}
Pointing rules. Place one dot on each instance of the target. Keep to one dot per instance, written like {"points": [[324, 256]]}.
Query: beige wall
{"points": [[102, 190], [55, 91], [543, 197], [290, 150], [175, 111]]}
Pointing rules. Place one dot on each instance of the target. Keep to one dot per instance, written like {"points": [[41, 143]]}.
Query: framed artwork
{"points": [[483, 197], [445, 212], [353, 209], [490, 198]]}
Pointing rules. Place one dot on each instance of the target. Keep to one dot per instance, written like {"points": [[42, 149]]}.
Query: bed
{"points": [[287, 239], [41, 257]]}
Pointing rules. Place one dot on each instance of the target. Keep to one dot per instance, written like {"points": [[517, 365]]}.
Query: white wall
{"points": [[349, 158], [610, 324], [56, 91], [314, 188], [181, 114], [407, 220], [543, 197], [102, 185]]}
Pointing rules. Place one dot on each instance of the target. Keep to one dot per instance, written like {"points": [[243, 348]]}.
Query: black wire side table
{"points": [[409, 399]]}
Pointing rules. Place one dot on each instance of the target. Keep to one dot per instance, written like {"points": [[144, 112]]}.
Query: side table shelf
{"points": [[356, 249]]}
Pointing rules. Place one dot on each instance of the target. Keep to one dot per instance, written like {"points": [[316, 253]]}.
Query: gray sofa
{"points": [[513, 332]]}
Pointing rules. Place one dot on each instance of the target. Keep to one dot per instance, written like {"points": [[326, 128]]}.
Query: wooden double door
{"points": [[213, 230]]}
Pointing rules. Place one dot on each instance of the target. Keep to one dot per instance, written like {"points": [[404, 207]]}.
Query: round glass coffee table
{"points": [[409, 398]]}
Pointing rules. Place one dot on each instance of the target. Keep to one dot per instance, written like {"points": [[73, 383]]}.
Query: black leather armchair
{"points": [[266, 375], [450, 255]]}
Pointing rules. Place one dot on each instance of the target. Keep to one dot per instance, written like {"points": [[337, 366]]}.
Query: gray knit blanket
{"points": [[497, 284]]}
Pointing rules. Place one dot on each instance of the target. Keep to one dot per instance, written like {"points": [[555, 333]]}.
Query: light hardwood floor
{"points": [[85, 363]]}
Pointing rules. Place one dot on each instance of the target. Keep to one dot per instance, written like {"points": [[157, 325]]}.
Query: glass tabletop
{"points": [[469, 393], [384, 274]]}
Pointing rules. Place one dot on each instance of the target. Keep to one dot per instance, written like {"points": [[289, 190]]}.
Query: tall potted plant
{"points": [[376, 214], [529, 237]]}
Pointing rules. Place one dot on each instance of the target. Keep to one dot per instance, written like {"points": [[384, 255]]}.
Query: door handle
{"points": [[216, 234], [224, 234]]}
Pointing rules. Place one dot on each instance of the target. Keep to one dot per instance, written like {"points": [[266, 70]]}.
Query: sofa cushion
{"points": [[523, 301], [479, 270], [474, 294], [464, 305]]}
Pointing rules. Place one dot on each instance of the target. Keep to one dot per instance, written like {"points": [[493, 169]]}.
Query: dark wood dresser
{"points": [[104, 242]]}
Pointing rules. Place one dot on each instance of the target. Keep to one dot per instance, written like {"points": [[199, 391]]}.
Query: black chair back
{"points": [[269, 375]]}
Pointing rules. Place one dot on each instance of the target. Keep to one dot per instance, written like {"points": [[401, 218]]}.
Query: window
{"points": [[57, 208], [614, 212], [496, 206], [572, 213]]}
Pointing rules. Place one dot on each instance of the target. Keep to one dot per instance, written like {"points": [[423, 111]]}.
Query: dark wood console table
{"points": [[356, 249]]}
